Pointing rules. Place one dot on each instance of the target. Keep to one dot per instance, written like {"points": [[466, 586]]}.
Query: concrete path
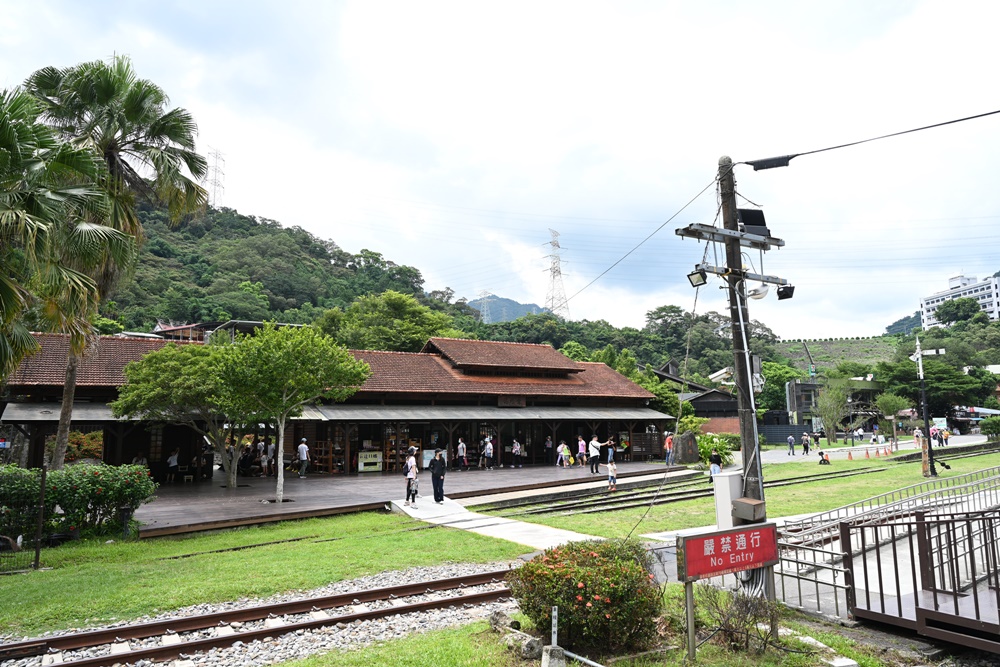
{"points": [[453, 515]]}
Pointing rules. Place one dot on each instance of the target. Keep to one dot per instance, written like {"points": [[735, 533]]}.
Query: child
{"points": [[612, 475]]}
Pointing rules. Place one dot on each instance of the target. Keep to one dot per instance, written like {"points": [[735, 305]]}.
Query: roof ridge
{"points": [[497, 342]]}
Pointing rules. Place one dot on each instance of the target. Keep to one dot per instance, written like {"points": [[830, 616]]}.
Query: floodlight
{"points": [[786, 292], [697, 278], [758, 292]]}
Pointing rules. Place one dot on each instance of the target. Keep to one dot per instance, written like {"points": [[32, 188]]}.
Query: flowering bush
{"points": [[710, 441], [606, 595], [80, 445], [91, 496]]}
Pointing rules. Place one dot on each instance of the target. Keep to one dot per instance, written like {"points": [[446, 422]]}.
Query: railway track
{"points": [[600, 501], [186, 635]]}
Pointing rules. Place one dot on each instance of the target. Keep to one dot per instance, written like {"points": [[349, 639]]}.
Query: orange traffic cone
{"points": [[867, 455], [876, 453], [887, 452], [849, 457]]}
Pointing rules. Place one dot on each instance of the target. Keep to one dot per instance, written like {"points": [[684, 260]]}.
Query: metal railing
{"points": [[936, 573]]}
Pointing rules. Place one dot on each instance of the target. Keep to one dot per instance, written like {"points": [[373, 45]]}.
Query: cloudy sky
{"points": [[452, 136]]}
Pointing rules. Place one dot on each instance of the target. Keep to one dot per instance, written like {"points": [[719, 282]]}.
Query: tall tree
{"points": [[831, 405], [147, 149], [275, 372], [776, 376], [889, 405], [957, 310], [183, 384], [45, 199]]}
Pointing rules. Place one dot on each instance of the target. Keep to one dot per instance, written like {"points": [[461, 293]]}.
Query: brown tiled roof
{"points": [[102, 366], [425, 373], [473, 354]]}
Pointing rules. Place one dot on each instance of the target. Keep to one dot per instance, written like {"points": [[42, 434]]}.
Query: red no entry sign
{"points": [[726, 551]]}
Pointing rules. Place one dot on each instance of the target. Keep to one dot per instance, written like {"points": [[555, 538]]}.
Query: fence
{"points": [[21, 531], [934, 573]]}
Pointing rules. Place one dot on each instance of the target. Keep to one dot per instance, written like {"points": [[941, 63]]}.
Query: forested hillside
{"points": [[224, 265]]}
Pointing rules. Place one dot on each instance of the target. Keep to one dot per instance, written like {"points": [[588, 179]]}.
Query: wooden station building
{"points": [[452, 388]]}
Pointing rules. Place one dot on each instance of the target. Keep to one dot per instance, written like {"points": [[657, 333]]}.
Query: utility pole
{"points": [[918, 356], [753, 485]]}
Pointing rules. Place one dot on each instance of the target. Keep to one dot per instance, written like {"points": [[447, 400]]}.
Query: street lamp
{"points": [[850, 418]]}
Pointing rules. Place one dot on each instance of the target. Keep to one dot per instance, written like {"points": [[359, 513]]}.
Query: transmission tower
{"points": [[555, 300], [216, 181], [485, 297]]}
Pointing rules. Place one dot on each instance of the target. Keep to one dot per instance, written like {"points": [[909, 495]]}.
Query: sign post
{"points": [[722, 552]]}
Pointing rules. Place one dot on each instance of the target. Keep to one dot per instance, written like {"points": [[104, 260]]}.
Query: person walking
{"points": [[715, 464], [791, 445], [562, 460], [549, 450], [271, 460], [805, 444], [303, 458], [594, 455], [488, 452], [668, 448], [438, 466], [410, 467], [581, 450], [515, 452], [463, 460]]}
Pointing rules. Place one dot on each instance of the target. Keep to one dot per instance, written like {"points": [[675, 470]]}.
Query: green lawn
{"points": [[781, 501], [92, 582]]}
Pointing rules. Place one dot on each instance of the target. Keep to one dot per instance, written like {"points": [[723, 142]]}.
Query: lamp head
{"points": [[698, 277], [786, 292]]}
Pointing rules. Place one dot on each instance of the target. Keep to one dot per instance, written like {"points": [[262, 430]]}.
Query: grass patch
{"points": [[94, 583], [807, 498], [473, 645]]}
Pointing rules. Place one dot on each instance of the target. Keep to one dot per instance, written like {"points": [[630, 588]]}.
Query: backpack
{"points": [[406, 468]]}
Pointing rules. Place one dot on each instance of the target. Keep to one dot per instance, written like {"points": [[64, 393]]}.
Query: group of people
{"points": [[257, 459], [595, 453]]}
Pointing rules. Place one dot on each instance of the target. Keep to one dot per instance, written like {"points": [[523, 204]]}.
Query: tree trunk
{"points": [[279, 460], [66, 413]]}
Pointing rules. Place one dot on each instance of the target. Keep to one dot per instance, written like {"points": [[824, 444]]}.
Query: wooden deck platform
{"points": [[208, 505]]}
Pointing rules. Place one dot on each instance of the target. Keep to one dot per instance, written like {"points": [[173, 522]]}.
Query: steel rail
{"points": [[188, 623], [169, 651]]}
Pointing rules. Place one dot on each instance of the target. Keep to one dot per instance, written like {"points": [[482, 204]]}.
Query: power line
{"points": [[783, 160], [640, 243]]}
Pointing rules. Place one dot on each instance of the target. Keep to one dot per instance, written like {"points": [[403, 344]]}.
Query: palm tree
{"points": [[148, 151], [43, 189]]}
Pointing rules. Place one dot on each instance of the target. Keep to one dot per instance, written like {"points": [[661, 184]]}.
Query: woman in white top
{"points": [[411, 477]]}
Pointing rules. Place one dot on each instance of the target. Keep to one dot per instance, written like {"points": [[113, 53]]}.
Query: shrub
{"points": [[990, 427], [79, 445], [606, 596], [731, 440], [742, 622], [19, 500], [91, 496], [710, 441]]}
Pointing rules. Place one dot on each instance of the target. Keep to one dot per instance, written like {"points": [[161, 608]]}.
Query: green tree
{"points": [[946, 386], [147, 151], [575, 351], [957, 310], [183, 384], [776, 376], [387, 321], [831, 406], [990, 427], [889, 406], [43, 187], [275, 372]]}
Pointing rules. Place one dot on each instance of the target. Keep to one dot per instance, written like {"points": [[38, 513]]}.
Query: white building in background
{"points": [[986, 293]]}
